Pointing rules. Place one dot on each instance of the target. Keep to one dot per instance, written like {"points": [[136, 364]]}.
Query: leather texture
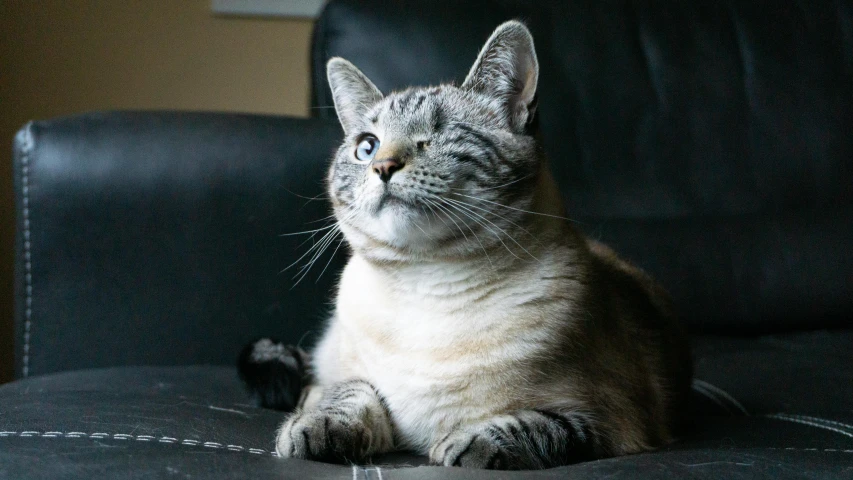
{"points": [[708, 141], [769, 407], [154, 238]]}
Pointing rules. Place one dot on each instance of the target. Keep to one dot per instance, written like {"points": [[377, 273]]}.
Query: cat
{"points": [[473, 323]]}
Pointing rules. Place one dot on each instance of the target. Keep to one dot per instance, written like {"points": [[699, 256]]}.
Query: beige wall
{"points": [[65, 56]]}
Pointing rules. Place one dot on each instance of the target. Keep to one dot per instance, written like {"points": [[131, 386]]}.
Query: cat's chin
{"points": [[400, 225], [396, 225]]}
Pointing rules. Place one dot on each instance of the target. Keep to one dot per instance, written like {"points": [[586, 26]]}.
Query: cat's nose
{"points": [[386, 167]]}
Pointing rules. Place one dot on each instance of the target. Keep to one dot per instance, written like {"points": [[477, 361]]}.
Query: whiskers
{"points": [[480, 217], [492, 217], [513, 208], [483, 224], [332, 234]]}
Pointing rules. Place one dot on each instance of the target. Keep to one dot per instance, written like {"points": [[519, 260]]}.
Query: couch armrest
{"points": [[153, 238]]}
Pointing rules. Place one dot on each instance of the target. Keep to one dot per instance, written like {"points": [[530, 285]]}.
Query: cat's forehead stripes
{"points": [[410, 112], [408, 103]]}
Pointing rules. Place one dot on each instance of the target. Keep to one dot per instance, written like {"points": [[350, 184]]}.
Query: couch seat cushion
{"points": [[766, 407]]}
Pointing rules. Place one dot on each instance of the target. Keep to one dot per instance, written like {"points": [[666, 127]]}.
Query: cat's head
{"points": [[441, 170]]}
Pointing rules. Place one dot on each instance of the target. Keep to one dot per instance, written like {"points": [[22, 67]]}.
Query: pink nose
{"points": [[385, 168]]}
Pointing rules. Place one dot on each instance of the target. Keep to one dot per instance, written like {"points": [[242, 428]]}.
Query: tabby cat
{"points": [[473, 323]]}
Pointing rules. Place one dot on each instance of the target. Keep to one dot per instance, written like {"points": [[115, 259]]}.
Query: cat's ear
{"points": [[507, 70], [352, 91]]}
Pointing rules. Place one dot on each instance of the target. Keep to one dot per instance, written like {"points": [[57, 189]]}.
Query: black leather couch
{"points": [[709, 142]]}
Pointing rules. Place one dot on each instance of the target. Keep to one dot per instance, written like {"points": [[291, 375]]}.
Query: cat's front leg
{"points": [[350, 424], [527, 439]]}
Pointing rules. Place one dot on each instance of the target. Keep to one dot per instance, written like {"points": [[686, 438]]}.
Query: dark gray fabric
{"points": [[159, 422]]}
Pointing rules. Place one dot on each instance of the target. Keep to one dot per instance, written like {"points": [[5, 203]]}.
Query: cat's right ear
{"points": [[352, 91], [507, 70]]}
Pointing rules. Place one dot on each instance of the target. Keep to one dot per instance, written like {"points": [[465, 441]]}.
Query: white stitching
{"points": [[720, 392], [260, 451], [787, 418], [709, 395], [827, 450], [824, 420], [26, 149], [138, 438]]}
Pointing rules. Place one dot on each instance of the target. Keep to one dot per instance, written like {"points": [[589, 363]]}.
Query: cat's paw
{"points": [[274, 373], [472, 448], [323, 436]]}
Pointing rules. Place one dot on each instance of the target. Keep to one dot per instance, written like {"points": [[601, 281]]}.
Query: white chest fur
{"points": [[442, 345]]}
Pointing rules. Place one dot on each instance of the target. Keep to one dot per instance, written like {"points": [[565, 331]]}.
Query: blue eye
{"points": [[366, 149]]}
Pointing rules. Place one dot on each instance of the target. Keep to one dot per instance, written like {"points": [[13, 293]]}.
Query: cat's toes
{"points": [[472, 449], [274, 373], [318, 435]]}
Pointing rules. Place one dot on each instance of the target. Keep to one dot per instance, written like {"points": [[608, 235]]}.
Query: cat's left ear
{"points": [[507, 70], [352, 92]]}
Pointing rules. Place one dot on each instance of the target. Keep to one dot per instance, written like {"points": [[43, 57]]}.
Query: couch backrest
{"points": [[154, 238], [710, 142]]}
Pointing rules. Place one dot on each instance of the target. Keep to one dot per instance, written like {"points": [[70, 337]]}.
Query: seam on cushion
{"points": [[711, 397], [26, 150], [825, 421], [722, 393], [138, 438], [366, 471], [794, 419], [802, 449]]}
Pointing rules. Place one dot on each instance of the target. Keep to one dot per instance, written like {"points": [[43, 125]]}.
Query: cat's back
{"points": [[632, 303]]}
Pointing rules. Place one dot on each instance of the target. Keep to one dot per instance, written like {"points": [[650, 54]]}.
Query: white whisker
{"points": [[451, 214], [303, 271], [307, 231], [505, 184], [313, 247], [470, 214], [340, 242], [499, 228], [492, 212], [516, 209]]}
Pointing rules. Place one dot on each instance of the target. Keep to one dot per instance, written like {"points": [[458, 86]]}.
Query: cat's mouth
{"points": [[389, 199]]}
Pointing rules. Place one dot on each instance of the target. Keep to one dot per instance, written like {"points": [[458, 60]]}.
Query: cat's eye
{"points": [[423, 144], [366, 149]]}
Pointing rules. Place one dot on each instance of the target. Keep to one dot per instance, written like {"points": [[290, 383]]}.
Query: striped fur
{"points": [[473, 323]]}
